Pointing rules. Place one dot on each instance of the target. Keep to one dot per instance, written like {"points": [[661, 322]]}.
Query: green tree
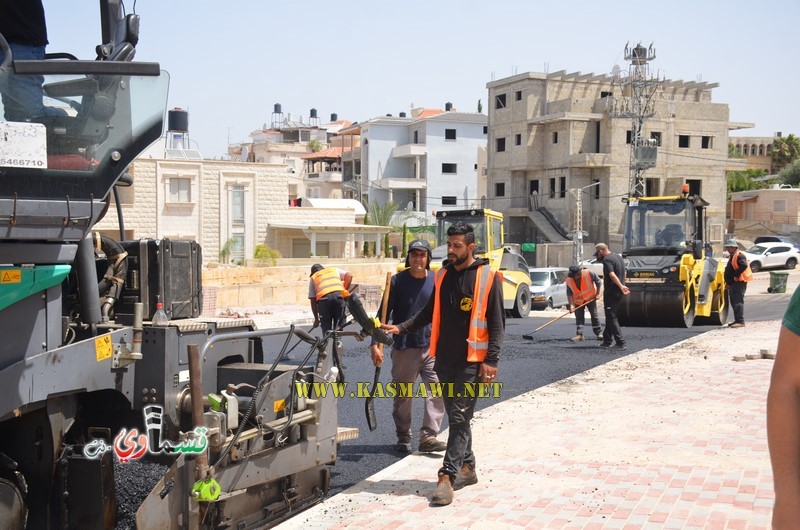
{"points": [[480, 106], [791, 173], [315, 145], [732, 152], [744, 180], [225, 251], [265, 252], [381, 215], [785, 150]]}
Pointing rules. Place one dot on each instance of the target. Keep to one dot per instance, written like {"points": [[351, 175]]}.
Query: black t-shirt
{"points": [[613, 263], [22, 22]]}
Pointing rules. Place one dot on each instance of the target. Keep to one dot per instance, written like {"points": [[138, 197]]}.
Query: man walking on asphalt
{"points": [[583, 287], [325, 294], [737, 274], [409, 292], [468, 318], [614, 289]]}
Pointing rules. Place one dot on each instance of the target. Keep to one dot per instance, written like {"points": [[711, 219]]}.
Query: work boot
{"points": [[600, 336], [443, 494], [430, 444], [737, 325], [577, 338], [466, 477], [403, 445]]}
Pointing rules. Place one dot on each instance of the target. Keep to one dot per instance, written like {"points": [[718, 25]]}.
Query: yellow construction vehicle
{"points": [[672, 282], [489, 244]]}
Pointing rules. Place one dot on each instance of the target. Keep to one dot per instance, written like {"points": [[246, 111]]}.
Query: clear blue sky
{"points": [[231, 61]]}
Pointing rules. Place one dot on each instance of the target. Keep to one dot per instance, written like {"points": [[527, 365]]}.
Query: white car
{"points": [[594, 265], [548, 288], [767, 255]]}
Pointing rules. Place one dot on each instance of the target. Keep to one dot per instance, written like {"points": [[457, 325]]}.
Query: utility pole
{"points": [[578, 233], [636, 103]]}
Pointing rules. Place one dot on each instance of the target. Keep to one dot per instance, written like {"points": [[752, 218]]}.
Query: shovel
{"points": [[369, 405], [529, 336]]}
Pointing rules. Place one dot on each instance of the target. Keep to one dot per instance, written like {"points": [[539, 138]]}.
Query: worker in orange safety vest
{"points": [[468, 323], [325, 289], [583, 288]]}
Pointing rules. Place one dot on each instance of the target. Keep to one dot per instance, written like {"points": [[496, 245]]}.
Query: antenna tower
{"points": [[638, 90]]}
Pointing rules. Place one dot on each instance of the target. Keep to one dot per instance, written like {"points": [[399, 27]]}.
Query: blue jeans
{"points": [[22, 95], [459, 414]]}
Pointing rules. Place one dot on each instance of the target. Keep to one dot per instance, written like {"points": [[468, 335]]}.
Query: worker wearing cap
{"points": [[583, 288], [325, 294], [409, 293], [614, 289], [737, 274]]}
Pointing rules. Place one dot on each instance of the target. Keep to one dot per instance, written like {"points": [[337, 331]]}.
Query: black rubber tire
{"points": [[13, 511], [522, 303], [755, 266], [791, 263]]}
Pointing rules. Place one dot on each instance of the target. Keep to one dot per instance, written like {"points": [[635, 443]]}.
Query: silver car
{"points": [[548, 289]]}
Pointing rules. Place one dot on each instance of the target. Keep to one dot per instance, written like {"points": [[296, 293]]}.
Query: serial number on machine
{"points": [[21, 162]]}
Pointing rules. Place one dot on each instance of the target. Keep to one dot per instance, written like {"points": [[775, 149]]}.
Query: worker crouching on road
{"points": [[468, 319], [325, 294], [583, 288], [410, 291]]}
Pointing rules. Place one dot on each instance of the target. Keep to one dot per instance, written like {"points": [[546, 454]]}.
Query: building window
{"points": [[552, 188], [695, 187], [779, 205], [604, 94], [237, 205], [500, 101], [499, 189], [237, 248], [485, 129], [650, 187], [449, 200], [683, 140], [596, 187], [518, 95], [706, 142], [753, 149], [657, 137], [517, 139], [180, 190], [533, 186], [416, 137], [555, 137], [628, 137], [449, 169], [449, 134], [562, 187], [501, 144]]}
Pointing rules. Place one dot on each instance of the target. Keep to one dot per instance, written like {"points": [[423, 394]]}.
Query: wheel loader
{"points": [[672, 282], [108, 419]]}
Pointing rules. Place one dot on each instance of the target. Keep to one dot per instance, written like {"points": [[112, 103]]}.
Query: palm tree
{"points": [[381, 215], [784, 151]]}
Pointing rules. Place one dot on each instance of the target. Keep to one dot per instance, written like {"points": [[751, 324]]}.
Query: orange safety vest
{"points": [[587, 291], [746, 274], [478, 336], [327, 281]]}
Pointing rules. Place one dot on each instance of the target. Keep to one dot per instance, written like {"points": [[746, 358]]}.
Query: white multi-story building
{"points": [[424, 163]]}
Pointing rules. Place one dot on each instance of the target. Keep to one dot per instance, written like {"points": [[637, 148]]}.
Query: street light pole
{"points": [[578, 233]]}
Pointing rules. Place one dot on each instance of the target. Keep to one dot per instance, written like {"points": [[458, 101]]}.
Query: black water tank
{"points": [[178, 120], [277, 108], [334, 117], [313, 113], [448, 106], [402, 114]]}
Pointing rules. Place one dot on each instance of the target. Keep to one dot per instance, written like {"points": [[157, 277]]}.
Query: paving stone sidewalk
{"points": [[669, 438]]}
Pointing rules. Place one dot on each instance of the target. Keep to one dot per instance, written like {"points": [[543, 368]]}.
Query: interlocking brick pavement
{"points": [[670, 438]]}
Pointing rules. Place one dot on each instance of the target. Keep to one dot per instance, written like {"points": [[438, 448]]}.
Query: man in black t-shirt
{"points": [[614, 289]]}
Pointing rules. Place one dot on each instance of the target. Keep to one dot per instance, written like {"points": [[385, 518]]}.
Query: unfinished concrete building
{"points": [[553, 133]]}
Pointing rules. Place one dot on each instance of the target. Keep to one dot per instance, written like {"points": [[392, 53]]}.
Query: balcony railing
{"points": [[326, 176]]}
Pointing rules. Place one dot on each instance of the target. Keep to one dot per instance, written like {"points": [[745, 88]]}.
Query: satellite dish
{"points": [[245, 154], [410, 206]]}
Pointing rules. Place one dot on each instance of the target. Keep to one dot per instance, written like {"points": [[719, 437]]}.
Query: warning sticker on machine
{"points": [[11, 276], [102, 347], [23, 145]]}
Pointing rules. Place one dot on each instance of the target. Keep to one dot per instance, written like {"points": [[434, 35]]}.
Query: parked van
{"points": [[548, 289]]}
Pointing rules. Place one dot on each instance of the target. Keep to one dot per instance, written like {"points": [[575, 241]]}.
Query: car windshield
{"points": [[756, 249], [540, 278]]}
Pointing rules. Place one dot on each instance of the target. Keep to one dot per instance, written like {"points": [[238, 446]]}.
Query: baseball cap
{"points": [[419, 244], [316, 268], [573, 270]]}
